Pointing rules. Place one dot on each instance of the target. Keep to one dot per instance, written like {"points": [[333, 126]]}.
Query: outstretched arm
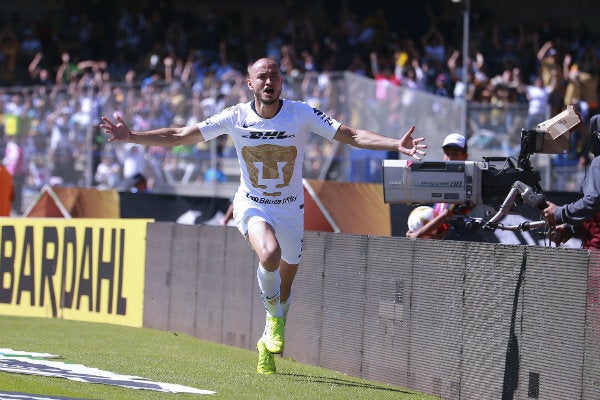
{"points": [[542, 51], [118, 131], [373, 141]]}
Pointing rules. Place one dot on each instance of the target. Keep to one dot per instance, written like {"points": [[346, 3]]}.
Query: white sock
{"points": [[270, 286]]}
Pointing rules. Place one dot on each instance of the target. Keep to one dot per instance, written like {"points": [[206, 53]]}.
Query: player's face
{"points": [[265, 81]]}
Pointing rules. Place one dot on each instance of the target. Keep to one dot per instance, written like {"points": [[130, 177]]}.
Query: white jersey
{"points": [[271, 151]]}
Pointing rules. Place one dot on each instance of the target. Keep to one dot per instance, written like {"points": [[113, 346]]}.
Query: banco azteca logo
{"points": [[270, 135]]}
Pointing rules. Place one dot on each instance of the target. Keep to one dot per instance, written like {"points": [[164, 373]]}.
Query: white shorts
{"points": [[289, 228]]}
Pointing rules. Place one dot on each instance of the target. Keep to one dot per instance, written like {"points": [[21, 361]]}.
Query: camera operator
{"points": [[581, 219], [455, 149]]}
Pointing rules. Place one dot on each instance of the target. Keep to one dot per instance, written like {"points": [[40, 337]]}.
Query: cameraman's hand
{"points": [[560, 234], [549, 213]]}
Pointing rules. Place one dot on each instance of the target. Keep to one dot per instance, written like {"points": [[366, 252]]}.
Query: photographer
{"points": [[581, 219]]}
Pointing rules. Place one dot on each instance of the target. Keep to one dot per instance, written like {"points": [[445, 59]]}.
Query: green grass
{"points": [[173, 358]]}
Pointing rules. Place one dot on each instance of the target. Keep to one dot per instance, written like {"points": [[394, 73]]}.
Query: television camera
{"points": [[483, 185]]}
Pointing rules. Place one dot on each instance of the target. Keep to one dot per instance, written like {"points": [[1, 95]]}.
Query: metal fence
{"points": [[459, 320]]}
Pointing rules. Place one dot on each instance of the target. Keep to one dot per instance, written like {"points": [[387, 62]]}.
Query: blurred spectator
{"points": [[138, 184], [30, 43], [456, 76], [64, 171], [551, 72], [538, 109], [215, 174], [9, 51], [39, 74], [384, 76], [134, 162], [582, 78], [441, 86], [413, 76], [67, 71], [108, 172], [14, 161], [37, 173], [433, 43], [375, 28], [6, 191]]}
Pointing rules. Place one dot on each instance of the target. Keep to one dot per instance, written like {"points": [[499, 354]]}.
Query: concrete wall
{"points": [[459, 320]]}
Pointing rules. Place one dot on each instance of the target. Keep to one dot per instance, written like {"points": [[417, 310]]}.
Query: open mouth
{"points": [[269, 91]]}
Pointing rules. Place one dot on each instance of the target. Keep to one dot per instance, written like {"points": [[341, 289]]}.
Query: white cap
{"points": [[455, 139]]}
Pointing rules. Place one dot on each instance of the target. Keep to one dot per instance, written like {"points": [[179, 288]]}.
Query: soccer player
{"points": [[269, 135]]}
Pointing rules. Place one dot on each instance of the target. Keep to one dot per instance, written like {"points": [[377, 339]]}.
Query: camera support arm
{"points": [[527, 194]]}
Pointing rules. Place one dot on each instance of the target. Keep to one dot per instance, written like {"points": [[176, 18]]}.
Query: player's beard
{"points": [[272, 99], [267, 102]]}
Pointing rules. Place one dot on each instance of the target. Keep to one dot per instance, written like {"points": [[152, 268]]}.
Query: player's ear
{"points": [[249, 84]]}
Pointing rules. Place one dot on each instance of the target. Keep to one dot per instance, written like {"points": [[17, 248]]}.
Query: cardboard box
{"points": [[562, 123]]}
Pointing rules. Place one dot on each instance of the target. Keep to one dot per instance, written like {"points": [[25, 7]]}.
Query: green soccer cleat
{"points": [[266, 359], [273, 335]]}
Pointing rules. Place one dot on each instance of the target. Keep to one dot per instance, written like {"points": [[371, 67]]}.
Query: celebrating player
{"points": [[269, 134]]}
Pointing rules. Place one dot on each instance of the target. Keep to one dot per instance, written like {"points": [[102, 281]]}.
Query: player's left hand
{"points": [[412, 146], [117, 131]]}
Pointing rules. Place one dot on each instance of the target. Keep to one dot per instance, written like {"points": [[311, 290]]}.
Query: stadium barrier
{"points": [[85, 269], [459, 320]]}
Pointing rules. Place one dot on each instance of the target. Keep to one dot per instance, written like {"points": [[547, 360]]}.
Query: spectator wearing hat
{"points": [[455, 149]]}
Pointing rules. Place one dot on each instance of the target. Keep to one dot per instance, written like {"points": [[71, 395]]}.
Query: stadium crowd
{"points": [[177, 63]]}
